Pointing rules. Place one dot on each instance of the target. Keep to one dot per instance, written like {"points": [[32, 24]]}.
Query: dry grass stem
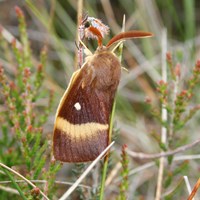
{"points": [[163, 154], [164, 118], [22, 177], [78, 181]]}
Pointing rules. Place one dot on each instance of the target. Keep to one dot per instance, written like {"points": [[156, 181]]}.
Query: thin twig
{"points": [[163, 154], [105, 166], [78, 181], [21, 193], [187, 184], [9, 37], [148, 165], [194, 191], [44, 181], [114, 172], [164, 118], [22, 177], [8, 189]]}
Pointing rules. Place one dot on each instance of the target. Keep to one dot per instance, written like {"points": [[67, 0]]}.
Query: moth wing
{"points": [[82, 120]]}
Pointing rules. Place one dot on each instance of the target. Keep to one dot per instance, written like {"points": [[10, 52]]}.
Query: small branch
{"points": [[148, 165], [112, 174], [187, 184], [9, 37], [164, 117], [160, 179], [78, 181], [194, 191], [105, 166], [8, 189], [162, 154], [44, 181], [22, 177]]}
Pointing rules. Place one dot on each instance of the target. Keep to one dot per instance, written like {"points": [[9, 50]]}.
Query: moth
{"points": [[81, 129]]}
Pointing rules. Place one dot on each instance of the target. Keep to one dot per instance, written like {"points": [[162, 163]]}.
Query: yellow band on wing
{"points": [[79, 131]]}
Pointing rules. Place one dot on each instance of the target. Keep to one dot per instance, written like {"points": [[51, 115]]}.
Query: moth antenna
{"points": [[87, 51], [128, 35]]}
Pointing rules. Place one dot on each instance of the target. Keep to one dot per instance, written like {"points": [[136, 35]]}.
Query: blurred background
{"points": [[175, 25]]}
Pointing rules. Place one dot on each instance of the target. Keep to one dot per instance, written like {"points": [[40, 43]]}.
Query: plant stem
{"points": [[15, 184], [22, 177], [84, 174], [105, 166], [164, 118]]}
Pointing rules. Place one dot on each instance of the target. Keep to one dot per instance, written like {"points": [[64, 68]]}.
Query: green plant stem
{"points": [[22, 177], [14, 183], [105, 166]]}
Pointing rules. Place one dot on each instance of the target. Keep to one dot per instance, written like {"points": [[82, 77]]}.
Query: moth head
{"points": [[95, 29]]}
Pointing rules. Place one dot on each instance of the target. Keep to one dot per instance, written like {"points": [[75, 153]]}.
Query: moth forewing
{"points": [[60, 105], [81, 130], [82, 119]]}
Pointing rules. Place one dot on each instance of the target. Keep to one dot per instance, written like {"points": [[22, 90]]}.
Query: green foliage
{"points": [[176, 101], [26, 103], [23, 144], [123, 194]]}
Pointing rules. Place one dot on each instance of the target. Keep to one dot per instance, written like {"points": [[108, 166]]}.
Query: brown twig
{"points": [[162, 154], [194, 191]]}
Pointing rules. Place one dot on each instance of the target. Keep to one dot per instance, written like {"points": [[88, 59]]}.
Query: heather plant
{"points": [[23, 144], [156, 139], [176, 97]]}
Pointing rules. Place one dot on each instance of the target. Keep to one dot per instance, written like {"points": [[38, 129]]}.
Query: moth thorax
{"points": [[107, 70]]}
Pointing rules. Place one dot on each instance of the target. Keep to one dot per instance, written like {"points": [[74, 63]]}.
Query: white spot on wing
{"points": [[77, 106]]}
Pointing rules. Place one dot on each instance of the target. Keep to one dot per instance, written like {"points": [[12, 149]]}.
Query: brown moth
{"points": [[83, 115]]}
